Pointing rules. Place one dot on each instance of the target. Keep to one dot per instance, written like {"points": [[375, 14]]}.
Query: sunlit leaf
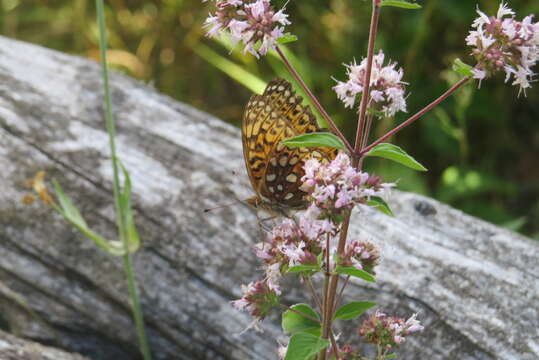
{"points": [[316, 139], [395, 153], [68, 210], [287, 38], [379, 204], [462, 68], [301, 268], [352, 271], [235, 71], [400, 4], [353, 309]]}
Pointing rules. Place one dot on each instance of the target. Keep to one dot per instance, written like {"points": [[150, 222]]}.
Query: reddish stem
{"points": [[417, 115], [334, 280], [314, 100], [367, 81]]}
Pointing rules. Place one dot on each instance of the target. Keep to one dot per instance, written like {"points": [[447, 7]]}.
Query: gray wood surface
{"points": [[14, 348], [474, 285]]}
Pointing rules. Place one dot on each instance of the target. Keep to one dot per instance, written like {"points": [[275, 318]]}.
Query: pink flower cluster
{"points": [[362, 255], [258, 299], [336, 187], [388, 331], [503, 44], [302, 241], [293, 242], [253, 22], [386, 86]]}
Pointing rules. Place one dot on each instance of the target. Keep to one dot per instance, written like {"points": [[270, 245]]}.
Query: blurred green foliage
{"points": [[481, 146]]}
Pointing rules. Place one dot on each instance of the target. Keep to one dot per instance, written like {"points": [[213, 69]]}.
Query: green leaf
{"points": [[235, 71], [391, 356], [400, 4], [301, 268], [379, 204], [353, 309], [352, 271], [462, 68], [127, 212], [304, 346], [294, 323], [395, 153], [287, 38], [315, 139], [68, 210]]}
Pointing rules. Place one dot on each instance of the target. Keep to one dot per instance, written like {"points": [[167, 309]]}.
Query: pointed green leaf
{"points": [[352, 271], [400, 4], [379, 204], [316, 139], [301, 268], [235, 71], [293, 323], [353, 309], [68, 210], [462, 68], [395, 153], [287, 38], [391, 356], [304, 346], [127, 212]]}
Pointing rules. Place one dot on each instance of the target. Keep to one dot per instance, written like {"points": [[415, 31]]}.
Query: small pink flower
{"points": [[386, 86], [388, 331], [257, 298], [252, 22], [502, 43], [336, 187], [363, 255]]}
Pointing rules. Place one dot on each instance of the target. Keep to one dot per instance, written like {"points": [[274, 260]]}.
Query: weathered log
{"points": [[474, 285], [13, 348]]}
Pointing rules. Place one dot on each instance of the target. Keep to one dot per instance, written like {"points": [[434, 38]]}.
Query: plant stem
{"points": [[111, 130], [334, 344], [137, 309], [313, 98], [365, 137], [334, 279], [419, 114], [313, 293], [367, 81], [325, 312]]}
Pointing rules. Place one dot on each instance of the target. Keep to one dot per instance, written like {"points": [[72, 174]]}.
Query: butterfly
{"points": [[275, 170]]}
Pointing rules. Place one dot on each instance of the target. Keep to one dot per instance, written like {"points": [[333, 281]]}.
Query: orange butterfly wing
{"points": [[274, 169]]}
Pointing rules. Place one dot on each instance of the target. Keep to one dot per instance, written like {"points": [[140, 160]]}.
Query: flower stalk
{"points": [[418, 115], [367, 82], [121, 221], [313, 99], [334, 279]]}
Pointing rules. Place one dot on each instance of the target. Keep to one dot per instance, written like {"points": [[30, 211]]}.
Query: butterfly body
{"points": [[274, 169]]}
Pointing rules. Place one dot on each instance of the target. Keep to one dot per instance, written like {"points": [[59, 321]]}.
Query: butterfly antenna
{"points": [[225, 205]]}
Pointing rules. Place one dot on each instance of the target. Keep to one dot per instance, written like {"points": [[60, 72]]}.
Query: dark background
{"points": [[481, 146]]}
